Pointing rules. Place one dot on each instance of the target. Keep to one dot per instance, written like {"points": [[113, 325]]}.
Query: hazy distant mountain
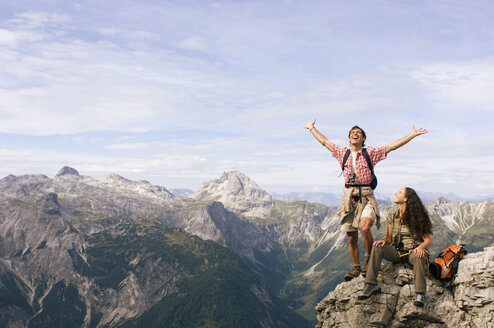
{"points": [[427, 196], [313, 197], [181, 192], [327, 199], [111, 252]]}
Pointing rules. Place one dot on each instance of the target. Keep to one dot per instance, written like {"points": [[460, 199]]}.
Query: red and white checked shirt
{"points": [[363, 172]]}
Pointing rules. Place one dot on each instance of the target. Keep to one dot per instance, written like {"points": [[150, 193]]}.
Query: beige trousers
{"points": [[391, 254]]}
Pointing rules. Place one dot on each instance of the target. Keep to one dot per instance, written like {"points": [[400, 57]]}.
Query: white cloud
{"points": [[9, 154], [86, 87], [228, 86], [127, 146], [35, 20], [13, 38], [143, 35], [7, 37], [466, 84], [109, 31], [127, 34], [192, 43]]}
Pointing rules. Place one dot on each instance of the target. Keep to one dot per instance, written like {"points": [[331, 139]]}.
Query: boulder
{"points": [[466, 301]]}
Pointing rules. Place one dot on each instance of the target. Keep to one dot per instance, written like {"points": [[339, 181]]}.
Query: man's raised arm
{"points": [[318, 135], [400, 142]]}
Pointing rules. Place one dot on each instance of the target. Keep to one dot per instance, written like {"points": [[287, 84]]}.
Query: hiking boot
{"points": [[369, 289], [353, 274], [366, 263], [419, 299]]}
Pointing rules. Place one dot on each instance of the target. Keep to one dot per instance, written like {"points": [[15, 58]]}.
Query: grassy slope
{"points": [[218, 290]]}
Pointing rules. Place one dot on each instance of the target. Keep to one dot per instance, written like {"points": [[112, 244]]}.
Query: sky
{"points": [[178, 92]]}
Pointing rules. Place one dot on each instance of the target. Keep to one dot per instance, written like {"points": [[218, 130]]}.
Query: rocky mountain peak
{"points": [[237, 192], [233, 175], [141, 187], [232, 183], [66, 170], [110, 177], [441, 201]]}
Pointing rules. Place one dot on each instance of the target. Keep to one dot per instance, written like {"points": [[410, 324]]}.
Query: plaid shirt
{"points": [[363, 172], [410, 241]]}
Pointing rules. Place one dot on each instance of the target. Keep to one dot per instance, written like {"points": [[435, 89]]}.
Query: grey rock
{"points": [[238, 193], [67, 171], [466, 301], [50, 205]]}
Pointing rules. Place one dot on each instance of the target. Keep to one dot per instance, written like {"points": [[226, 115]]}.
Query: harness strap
{"points": [[349, 185]]}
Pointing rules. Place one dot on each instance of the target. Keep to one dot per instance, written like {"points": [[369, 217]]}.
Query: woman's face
{"points": [[400, 196]]}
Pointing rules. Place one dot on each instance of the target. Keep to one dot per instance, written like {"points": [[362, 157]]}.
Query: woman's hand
{"points": [[419, 251], [379, 243]]}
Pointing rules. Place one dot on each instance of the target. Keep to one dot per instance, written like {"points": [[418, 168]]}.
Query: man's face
{"points": [[356, 137]]}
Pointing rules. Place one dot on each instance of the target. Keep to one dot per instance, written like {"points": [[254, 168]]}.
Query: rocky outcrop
{"points": [[238, 193], [467, 301], [66, 170], [214, 222]]}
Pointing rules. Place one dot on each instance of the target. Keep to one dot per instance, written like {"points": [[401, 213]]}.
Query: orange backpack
{"points": [[445, 265]]}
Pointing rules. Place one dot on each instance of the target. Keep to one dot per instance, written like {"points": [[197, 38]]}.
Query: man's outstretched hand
{"points": [[419, 131], [309, 125]]}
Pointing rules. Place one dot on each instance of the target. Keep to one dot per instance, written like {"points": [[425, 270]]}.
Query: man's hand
{"points": [[418, 132], [400, 142], [309, 125]]}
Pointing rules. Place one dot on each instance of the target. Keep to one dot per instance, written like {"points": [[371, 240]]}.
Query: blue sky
{"points": [[177, 92]]}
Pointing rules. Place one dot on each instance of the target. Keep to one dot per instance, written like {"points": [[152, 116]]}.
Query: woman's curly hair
{"points": [[416, 216]]}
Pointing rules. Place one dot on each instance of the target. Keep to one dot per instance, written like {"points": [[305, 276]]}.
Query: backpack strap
{"points": [[367, 158], [369, 164], [345, 158], [373, 184]]}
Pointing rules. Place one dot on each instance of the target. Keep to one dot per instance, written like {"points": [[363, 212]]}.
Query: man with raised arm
{"points": [[358, 209]]}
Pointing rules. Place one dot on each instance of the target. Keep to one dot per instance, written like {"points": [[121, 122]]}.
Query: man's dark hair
{"points": [[363, 133]]}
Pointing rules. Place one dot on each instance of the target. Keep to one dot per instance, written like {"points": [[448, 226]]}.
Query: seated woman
{"points": [[409, 230]]}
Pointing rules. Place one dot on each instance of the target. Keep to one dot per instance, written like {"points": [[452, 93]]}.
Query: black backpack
{"points": [[373, 183]]}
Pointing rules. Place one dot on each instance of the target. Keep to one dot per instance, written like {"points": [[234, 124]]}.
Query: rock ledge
{"points": [[465, 302]]}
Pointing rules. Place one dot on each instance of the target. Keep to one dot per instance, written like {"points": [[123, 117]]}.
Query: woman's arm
{"points": [[386, 240], [318, 135], [420, 250]]}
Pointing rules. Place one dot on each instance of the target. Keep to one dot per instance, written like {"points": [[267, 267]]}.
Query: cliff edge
{"points": [[465, 302]]}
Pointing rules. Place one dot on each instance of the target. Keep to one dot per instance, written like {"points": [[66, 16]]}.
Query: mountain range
{"points": [[78, 251], [333, 200]]}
